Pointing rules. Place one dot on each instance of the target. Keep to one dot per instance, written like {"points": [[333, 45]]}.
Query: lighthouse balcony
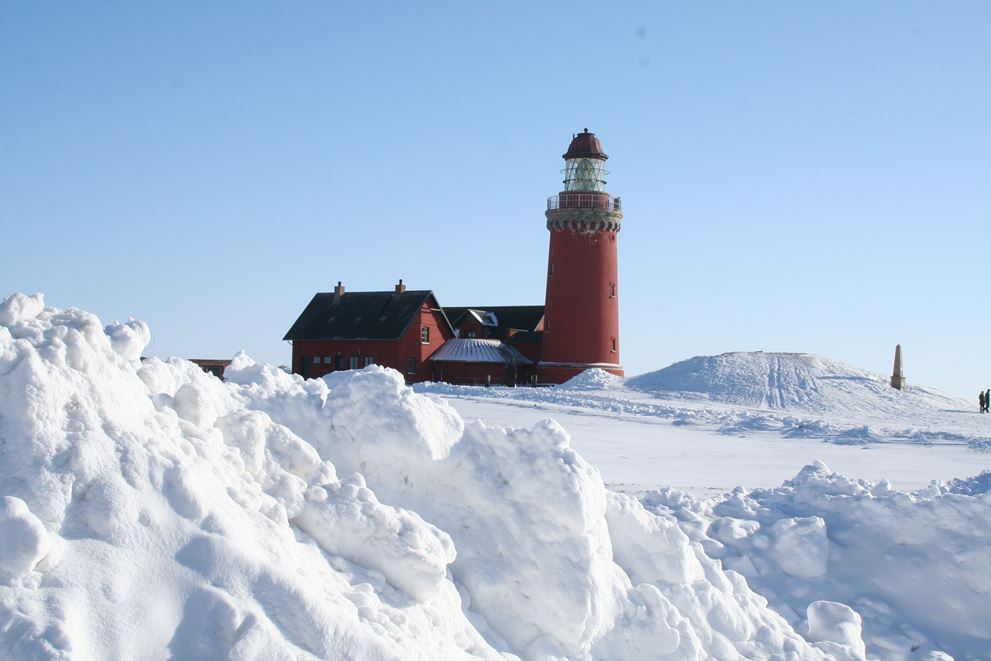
{"points": [[584, 201], [587, 213]]}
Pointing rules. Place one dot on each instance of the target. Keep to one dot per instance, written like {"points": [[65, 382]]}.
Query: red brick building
{"points": [[399, 329], [576, 329]]}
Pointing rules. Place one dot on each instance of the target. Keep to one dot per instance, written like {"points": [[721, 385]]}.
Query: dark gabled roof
{"points": [[359, 315], [454, 314], [520, 317]]}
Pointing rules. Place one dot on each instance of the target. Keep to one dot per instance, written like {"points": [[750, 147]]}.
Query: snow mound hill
{"points": [[798, 382], [150, 510], [592, 379]]}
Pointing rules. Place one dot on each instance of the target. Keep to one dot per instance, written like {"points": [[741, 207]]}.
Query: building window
{"points": [[471, 333], [328, 360], [411, 365], [353, 363], [316, 360], [425, 334], [369, 360]]}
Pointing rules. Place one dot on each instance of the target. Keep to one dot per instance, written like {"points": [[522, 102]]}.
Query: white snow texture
{"points": [[787, 381], [150, 510]]}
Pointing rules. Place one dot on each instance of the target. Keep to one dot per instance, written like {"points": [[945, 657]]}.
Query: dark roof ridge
{"points": [[375, 315]]}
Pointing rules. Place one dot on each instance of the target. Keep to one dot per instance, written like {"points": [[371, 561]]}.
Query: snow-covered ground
{"points": [[639, 453], [734, 427], [712, 423], [149, 510]]}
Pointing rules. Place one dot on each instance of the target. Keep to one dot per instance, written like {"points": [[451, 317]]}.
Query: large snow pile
{"points": [[914, 566], [150, 510], [789, 381], [592, 379]]}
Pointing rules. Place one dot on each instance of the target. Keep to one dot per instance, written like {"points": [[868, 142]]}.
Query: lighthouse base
{"points": [[553, 372]]}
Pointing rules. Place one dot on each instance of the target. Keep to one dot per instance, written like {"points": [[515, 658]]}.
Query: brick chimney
{"points": [[338, 292], [400, 288]]}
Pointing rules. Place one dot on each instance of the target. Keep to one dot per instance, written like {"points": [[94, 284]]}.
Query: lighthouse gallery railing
{"points": [[584, 201]]}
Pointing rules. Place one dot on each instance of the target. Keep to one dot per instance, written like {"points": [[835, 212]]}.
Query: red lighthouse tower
{"points": [[581, 309]]}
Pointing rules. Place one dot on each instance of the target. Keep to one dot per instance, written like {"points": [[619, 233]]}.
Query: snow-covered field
{"points": [[709, 424], [150, 510], [711, 440]]}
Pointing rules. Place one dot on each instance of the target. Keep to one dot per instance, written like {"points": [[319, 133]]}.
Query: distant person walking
{"points": [[987, 401], [982, 401]]}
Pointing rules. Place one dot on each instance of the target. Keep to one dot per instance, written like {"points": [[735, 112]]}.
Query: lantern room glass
{"points": [[584, 174]]}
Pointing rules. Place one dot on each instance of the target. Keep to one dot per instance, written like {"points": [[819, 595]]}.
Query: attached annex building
{"points": [[577, 328]]}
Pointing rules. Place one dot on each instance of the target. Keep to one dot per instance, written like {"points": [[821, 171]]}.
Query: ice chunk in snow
{"points": [[836, 627], [18, 308], [23, 538], [800, 546], [348, 520], [129, 339]]}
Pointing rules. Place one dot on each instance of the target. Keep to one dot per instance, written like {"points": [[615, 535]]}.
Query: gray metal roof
{"points": [[473, 350]]}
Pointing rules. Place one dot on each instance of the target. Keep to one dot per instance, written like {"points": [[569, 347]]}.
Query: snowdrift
{"points": [[913, 565], [797, 382], [592, 379], [150, 510]]}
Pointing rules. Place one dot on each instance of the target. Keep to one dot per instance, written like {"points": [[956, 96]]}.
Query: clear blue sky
{"points": [[795, 176]]}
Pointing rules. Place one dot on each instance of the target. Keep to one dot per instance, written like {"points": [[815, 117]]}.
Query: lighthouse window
{"points": [[584, 174], [425, 334], [613, 345], [612, 290]]}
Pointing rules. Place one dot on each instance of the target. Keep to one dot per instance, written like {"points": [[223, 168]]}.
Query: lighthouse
{"points": [[581, 307]]}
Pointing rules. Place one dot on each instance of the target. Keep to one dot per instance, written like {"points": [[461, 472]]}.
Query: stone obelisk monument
{"points": [[897, 375]]}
